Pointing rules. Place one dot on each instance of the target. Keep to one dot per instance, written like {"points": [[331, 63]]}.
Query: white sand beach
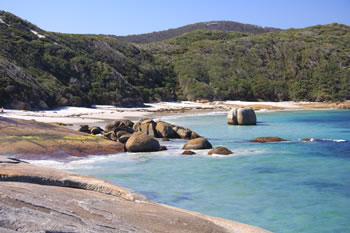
{"points": [[99, 114]]}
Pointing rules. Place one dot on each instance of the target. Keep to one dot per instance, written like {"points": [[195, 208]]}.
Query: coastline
{"points": [[50, 142], [99, 115]]}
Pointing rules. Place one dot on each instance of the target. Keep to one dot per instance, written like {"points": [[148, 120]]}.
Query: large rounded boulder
{"points": [[141, 142], [220, 150], [241, 116], [197, 144]]}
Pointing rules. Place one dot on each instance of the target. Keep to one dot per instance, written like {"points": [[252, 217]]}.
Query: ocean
{"points": [[287, 187]]}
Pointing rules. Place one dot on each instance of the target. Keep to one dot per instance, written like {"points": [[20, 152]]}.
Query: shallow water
{"points": [[292, 186]]}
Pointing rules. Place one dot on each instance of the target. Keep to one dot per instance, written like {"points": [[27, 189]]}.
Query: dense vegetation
{"points": [[296, 64], [213, 25], [40, 69]]}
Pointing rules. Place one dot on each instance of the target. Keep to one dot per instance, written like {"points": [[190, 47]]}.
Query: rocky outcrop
{"points": [[197, 144], [220, 150], [39, 199], [141, 142], [31, 139], [268, 139], [241, 116]]}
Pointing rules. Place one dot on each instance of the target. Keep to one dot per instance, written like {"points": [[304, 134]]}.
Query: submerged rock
{"points": [[307, 139], [241, 116], [141, 142], [188, 152], [220, 150], [197, 144], [268, 139]]}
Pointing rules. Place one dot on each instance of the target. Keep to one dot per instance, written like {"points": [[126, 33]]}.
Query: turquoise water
{"points": [[293, 186]]}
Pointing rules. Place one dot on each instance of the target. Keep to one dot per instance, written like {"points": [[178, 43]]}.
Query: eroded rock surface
{"points": [[39, 199]]}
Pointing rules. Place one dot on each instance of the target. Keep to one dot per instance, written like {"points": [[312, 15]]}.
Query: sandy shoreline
{"points": [[99, 115]]}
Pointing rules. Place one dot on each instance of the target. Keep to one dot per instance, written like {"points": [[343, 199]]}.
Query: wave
{"points": [[76, 164], [174, 117], [323, 140]]}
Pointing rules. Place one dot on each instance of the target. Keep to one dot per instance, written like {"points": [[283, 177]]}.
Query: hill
{"points": [[297, 64], [40, 69], [212, 25]]}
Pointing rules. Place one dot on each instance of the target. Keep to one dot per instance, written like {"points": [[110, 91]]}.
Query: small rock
{"points": [[161, 148], [188, 152], [110, 135], [121, 133], [124, 138], [197, 144], [307, 139], [220, 150], [268, 139], [96, 130], [165, 139], [84, 129], [194, 135]]}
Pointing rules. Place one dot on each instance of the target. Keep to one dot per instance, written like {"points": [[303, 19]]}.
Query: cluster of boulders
{"points": [[123, 129], [90, 130], [141, 136]]}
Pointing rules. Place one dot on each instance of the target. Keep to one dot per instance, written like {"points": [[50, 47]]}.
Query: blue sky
{"points": [[140, 16]]}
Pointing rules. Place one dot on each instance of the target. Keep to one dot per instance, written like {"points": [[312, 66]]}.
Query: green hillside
{"points": [[40, 69], [296, 64]]}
